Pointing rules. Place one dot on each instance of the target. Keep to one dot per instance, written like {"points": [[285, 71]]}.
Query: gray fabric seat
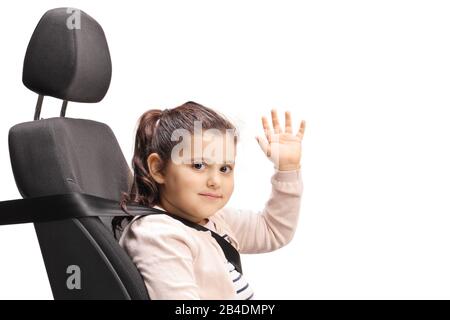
{"points": [[62, 155]]}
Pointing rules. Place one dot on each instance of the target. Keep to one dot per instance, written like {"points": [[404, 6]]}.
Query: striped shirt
{"points": [[243, 289]]}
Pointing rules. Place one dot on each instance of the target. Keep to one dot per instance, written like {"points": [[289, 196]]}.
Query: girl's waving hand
{"points": [[282, 148]]}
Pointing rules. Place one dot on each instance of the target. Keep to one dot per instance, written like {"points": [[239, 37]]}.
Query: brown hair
{"points": [[153, 136]]}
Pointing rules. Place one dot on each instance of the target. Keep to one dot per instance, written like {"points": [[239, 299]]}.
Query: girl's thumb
{"points": [[264, 145]]}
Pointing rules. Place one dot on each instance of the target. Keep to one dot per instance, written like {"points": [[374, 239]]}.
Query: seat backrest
{"points": [[62, 155]]}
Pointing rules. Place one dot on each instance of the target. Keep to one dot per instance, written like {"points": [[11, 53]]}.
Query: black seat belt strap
{"points": [[80, 205], [229, 250]]}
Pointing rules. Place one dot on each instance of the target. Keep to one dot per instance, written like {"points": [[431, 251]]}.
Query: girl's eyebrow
{"points": [[209, 160]]}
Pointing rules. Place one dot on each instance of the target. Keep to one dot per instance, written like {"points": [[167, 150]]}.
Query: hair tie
{"points": [[163, 112]]}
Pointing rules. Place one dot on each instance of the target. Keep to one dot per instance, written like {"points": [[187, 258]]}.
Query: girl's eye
{"points": [[198, 165], [201, 165], [226, 167]]}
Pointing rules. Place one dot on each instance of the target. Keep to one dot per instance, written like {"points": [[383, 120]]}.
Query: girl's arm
{"points": [[274, 226], [163, 254]]}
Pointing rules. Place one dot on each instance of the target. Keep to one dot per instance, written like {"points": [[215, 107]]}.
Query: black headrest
{"points": [[68, 57]]}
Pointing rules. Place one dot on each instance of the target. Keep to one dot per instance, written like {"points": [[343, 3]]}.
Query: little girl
{"points": [[180, 262]]}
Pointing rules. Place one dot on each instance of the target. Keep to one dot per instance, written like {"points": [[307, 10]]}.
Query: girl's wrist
{"points": [[289, 167]]}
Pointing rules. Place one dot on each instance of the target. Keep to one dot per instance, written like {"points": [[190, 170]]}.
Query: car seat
{"points": [[70, 60], [71, 172]]}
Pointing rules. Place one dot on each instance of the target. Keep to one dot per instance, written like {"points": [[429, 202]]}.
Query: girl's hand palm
{"points": [[282, 148]]}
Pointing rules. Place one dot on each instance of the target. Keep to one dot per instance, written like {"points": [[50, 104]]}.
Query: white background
{"points": [[370, 78]]}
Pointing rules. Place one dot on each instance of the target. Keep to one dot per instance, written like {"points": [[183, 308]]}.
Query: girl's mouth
{"points": [[211, 196]]}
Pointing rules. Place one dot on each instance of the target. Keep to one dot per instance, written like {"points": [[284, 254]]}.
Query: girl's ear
{"points": [[154, 163]]}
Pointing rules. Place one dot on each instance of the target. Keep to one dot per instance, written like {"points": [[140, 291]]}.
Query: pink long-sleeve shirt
{"points": [[179, 262]]}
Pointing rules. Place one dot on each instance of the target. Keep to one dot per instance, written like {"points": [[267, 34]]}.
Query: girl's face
{"points": [[199, 186]]}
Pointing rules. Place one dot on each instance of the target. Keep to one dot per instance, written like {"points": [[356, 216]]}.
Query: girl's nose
{"points": [[213, 180]]}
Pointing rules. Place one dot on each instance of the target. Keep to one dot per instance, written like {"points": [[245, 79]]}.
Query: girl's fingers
{"points": [[276, 124], [301, 130], [266, 128], [287, 122]]}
